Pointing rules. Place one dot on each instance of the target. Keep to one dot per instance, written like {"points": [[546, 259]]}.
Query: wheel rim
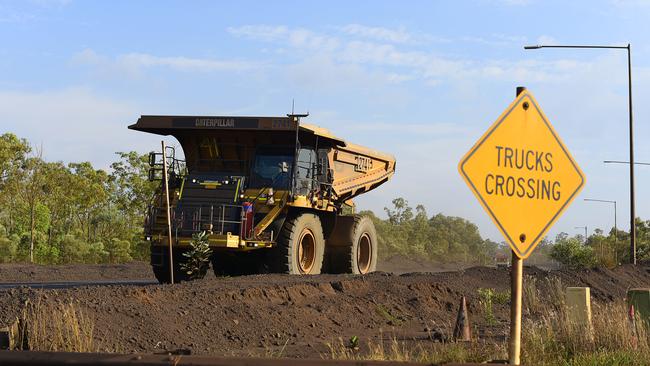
{"points": [[306, 251], [364, 253]]}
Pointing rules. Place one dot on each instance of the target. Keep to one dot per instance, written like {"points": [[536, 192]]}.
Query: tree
{"points": [[439, 238], [131, 193], [7, 247], [13, 152], [33, 193], [400, 213], [570, 252], [118, 250]]}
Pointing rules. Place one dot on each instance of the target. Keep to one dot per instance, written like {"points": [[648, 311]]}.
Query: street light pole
{"points": [[632, 203], [629, 79], [583, 227]]}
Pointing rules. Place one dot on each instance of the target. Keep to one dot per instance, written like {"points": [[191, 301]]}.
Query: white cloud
{"points": [[134, 63], [515, 2], [74, 124], [184, 63], [260, 32], [631, 3], [437, 129], [546, 40], [398, 59], [297, 37], [51, 3], [7, 16], [494, 40], [379, 33]]}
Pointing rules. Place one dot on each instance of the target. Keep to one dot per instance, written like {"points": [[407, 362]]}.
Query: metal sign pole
{"points": [[169, 220], [516, 282]]}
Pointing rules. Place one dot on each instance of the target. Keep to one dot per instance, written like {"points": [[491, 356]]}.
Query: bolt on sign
{"points": [[522, 174]]}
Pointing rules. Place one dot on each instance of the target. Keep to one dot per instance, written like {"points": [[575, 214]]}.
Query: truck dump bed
{"points": [[354, 169]]}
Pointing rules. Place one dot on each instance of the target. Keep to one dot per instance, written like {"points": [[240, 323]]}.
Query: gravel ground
{"points": [[295, 316]]}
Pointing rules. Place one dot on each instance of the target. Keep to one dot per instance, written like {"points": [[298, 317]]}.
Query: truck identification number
{"points": [[363, 163]]}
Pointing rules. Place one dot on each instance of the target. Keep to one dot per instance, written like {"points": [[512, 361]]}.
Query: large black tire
{"points": [[352, 247], [236, 264], [161, 272], [300, 246]]}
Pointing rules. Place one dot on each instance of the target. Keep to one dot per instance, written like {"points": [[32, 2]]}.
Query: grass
{"points": [[386, 314], [550, 337], [396, 350], [555, 339], [55, 327]]}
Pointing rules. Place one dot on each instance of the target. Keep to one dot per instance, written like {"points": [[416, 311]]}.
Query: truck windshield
{"points": [[272, 168]]}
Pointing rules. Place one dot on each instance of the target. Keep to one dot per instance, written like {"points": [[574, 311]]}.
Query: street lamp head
{"points": [[533, 47]]}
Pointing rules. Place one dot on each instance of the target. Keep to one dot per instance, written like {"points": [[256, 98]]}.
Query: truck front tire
{"points": [[300, 246]]}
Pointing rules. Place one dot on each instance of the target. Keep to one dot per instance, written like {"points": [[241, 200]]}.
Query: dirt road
{"points": [[297, 316]]}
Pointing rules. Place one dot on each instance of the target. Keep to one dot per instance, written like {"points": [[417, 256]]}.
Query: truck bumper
{"points": [[216, 241]]}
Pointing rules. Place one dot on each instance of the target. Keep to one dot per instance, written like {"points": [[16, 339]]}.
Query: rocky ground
{"points": [[294, 316], [19, 272], [23, 272]]}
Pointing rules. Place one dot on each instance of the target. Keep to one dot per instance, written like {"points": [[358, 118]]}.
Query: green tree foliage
{"points": [[51, 212], [197, 258], [437, 238], [118, 250], [571, 252]]}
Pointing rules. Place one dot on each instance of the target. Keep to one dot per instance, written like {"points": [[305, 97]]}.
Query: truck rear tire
{"points": [[352, 247], [300, 246]]}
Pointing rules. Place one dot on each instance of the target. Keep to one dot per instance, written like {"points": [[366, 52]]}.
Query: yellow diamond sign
{"points": [[522, 174]]}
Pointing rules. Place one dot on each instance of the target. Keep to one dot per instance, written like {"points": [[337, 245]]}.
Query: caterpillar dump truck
{"points": [[273, 194]]}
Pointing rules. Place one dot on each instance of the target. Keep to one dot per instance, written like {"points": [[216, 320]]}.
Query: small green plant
{"points": [[386, 314], [198, 257], [353, 343], [486, 299], [502, 297]]}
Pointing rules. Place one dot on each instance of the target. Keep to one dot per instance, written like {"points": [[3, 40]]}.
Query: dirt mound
{"points": [[296, 316], [19, 272], [400, 264]]}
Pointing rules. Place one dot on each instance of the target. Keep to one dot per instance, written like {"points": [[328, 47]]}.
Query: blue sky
{"points": [[419, 79]]}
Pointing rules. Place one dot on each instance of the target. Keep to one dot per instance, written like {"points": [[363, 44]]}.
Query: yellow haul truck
{"points": [[274, 195]]}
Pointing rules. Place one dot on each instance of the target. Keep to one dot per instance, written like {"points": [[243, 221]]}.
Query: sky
{"points": [[421, 80]]}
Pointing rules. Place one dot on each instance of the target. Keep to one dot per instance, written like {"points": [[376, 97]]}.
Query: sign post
{"points": [[516, 283], [524, 177], [169, 220]]}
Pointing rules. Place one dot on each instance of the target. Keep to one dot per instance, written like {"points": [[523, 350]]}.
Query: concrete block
{"points": [[578, 301], [9, 336]]}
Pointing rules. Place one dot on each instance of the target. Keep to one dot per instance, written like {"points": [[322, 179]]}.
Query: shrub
{"points": [[198, 257], [118, 250], [571, 253]]}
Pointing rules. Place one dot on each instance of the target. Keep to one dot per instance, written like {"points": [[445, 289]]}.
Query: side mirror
{"points": [[152, 159], [152, 174]]}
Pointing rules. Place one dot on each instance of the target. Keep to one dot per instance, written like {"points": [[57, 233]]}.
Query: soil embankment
{"points": [[297, 316]]}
